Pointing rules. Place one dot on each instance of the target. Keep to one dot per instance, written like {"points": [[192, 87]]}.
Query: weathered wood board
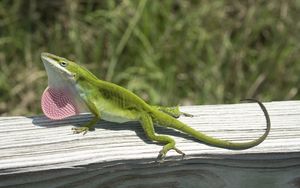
{"points": [[37, 152]]}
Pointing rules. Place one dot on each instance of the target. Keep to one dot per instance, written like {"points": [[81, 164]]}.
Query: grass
{"points": [[168, 52]]}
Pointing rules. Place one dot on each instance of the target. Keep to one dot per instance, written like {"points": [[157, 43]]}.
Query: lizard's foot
{"points": [[187, 114], [77, 130], [172, 111], [180, 152], [162, 155]]}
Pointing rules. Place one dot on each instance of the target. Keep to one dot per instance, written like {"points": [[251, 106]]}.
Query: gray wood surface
{"points": [[37, 152]]}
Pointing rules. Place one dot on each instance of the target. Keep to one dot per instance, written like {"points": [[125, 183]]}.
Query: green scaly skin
{"points": [[114, 103]]}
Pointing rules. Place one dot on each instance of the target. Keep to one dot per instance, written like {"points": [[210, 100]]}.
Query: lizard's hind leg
{"points": [[147, 125]]}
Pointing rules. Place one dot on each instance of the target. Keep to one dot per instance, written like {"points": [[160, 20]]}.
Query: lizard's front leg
{"points": [[88, 126]]}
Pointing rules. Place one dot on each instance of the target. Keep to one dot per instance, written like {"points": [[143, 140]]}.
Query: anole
{"points": [[73, 89]]}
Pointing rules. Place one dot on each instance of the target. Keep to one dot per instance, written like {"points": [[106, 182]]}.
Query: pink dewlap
{"points": [[57, 104]]}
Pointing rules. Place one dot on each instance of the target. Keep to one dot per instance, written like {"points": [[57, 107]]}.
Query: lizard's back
{"points": [[115, 103]]}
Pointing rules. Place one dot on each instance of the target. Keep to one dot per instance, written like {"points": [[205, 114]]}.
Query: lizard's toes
{"points": [[77, 130], [161, 157], [187, 114]]}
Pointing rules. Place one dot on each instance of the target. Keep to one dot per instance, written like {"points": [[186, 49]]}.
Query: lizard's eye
{"points": [[63, 63]]}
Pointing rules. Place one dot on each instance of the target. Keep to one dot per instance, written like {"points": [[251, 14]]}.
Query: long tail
{"points": [[168, 121]]}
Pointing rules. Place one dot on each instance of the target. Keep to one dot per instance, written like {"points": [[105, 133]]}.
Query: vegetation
{"points": [[169, 52]]}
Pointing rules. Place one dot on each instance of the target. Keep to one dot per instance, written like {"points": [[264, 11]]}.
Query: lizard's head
{"points": [[63, 68], [59, 65]]}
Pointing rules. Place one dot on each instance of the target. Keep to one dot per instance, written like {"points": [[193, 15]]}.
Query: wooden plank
{"points": [[37, 152]]}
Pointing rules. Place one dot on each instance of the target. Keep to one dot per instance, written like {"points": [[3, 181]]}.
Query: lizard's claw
{"points": [[161, 157], [180, 152], [77, 130], [187, 114]]}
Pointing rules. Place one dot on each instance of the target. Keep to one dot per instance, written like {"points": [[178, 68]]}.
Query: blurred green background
{"points": [[168, 52]]}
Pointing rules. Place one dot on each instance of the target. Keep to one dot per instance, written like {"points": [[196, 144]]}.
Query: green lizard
{"points": [[114, 103]]}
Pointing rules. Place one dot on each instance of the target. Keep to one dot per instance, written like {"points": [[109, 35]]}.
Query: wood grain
{"points": [[37, 152]]}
